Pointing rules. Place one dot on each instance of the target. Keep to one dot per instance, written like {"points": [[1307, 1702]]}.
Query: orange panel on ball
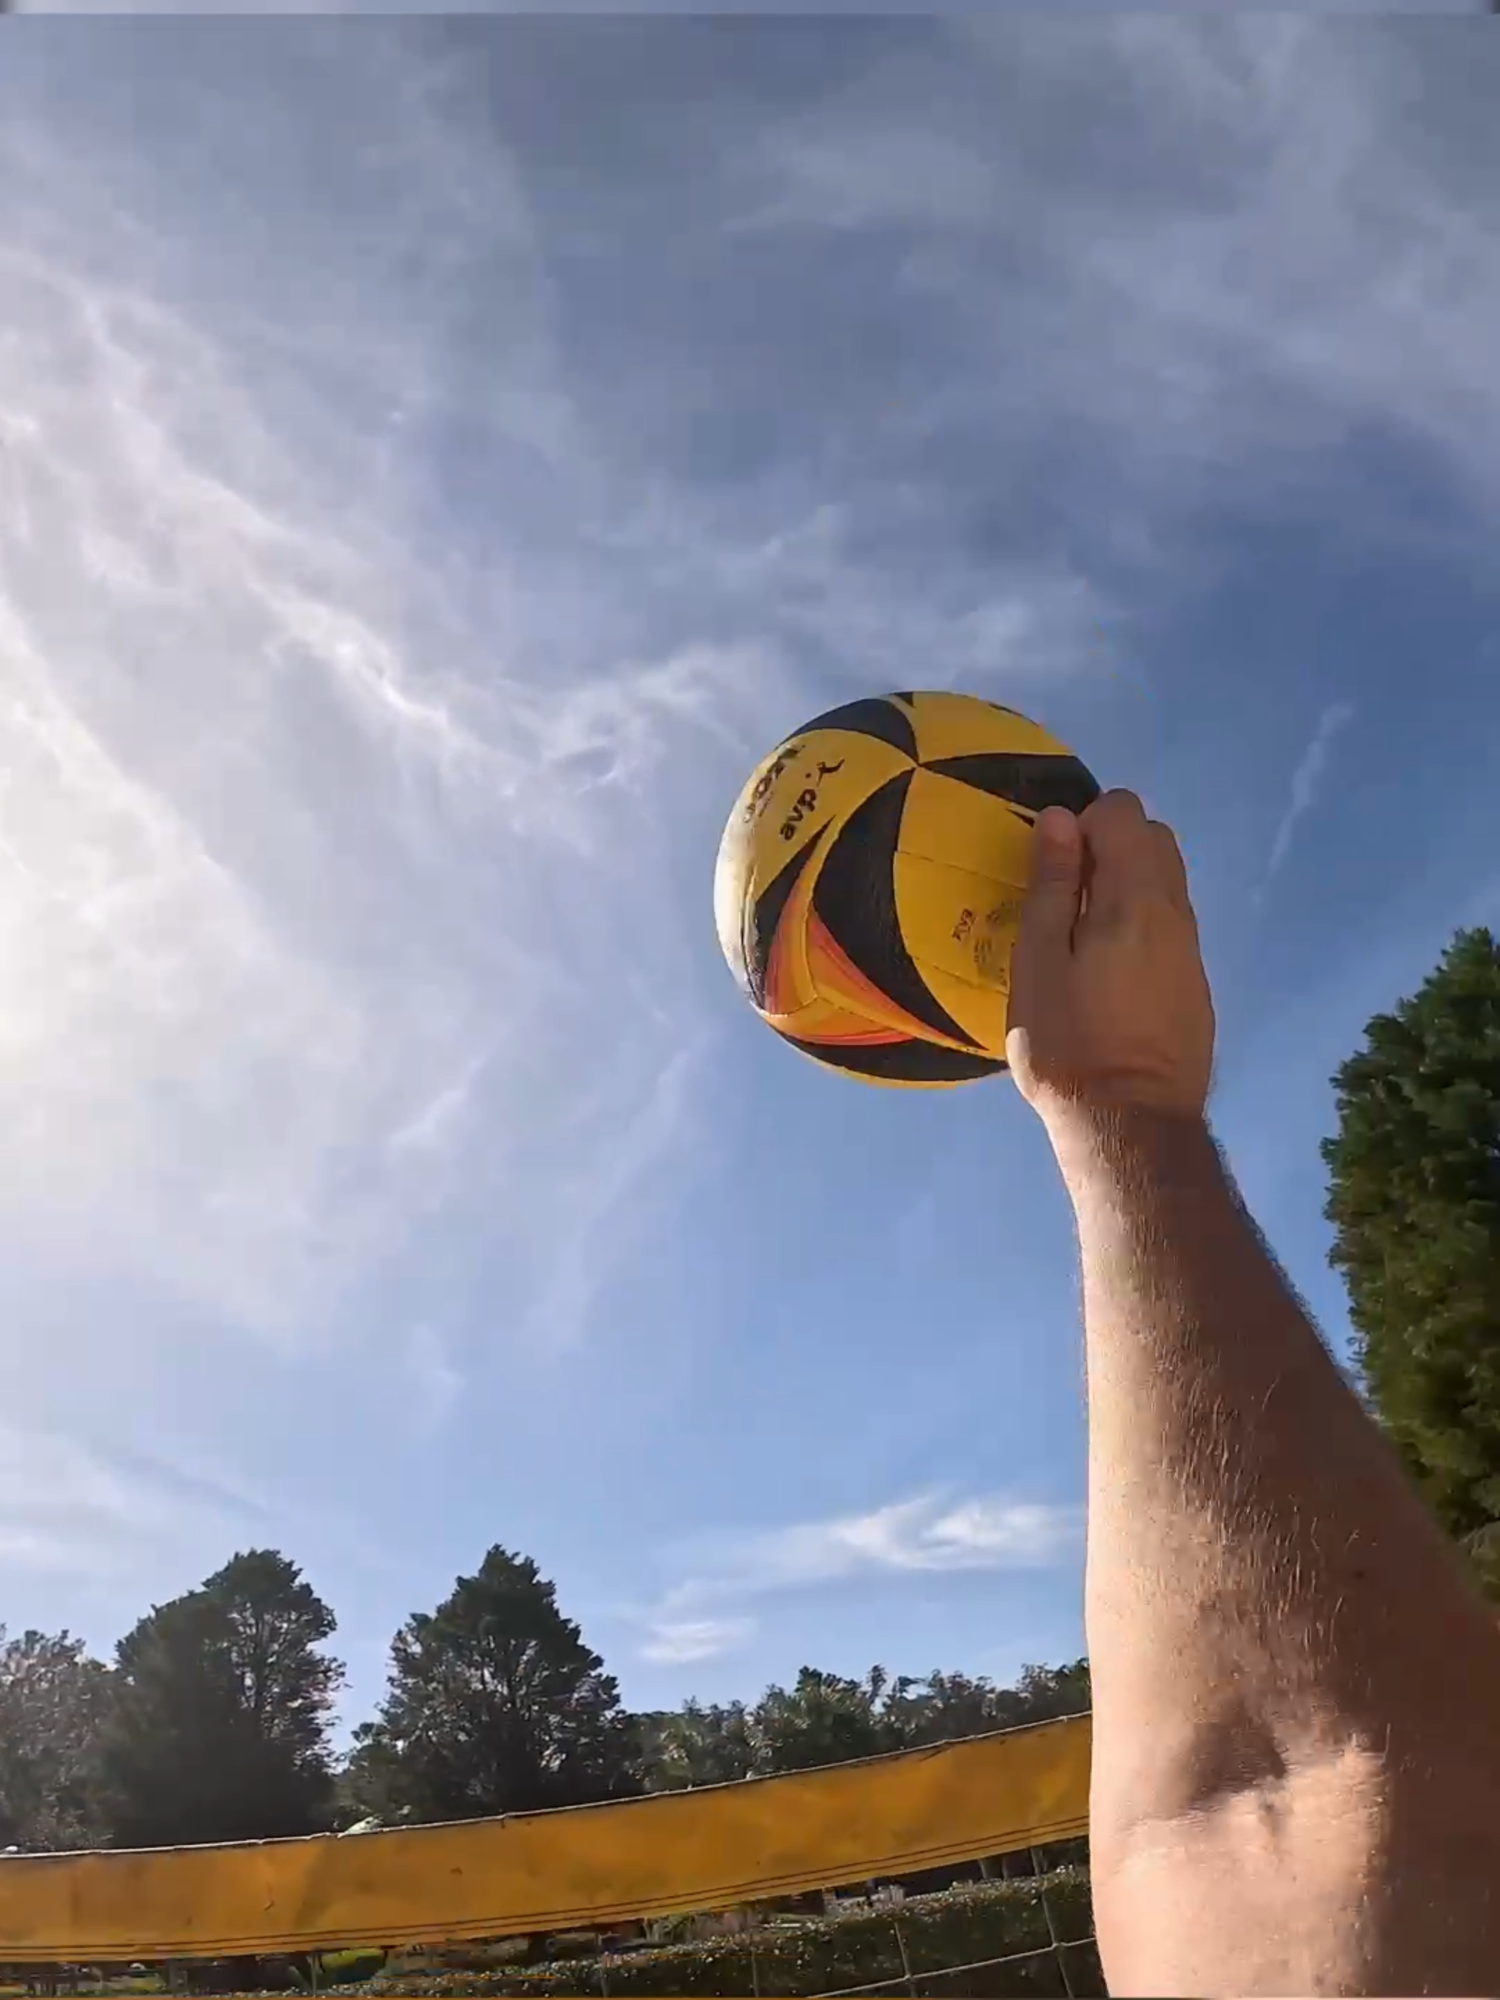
{"points": [[839, 980]]}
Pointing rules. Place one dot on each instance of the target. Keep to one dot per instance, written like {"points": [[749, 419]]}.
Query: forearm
{"points": [[1272, 1614]]}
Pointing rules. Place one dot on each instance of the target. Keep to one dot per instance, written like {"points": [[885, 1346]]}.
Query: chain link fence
{"points": [[1021, 1925], [1067, 1965]]}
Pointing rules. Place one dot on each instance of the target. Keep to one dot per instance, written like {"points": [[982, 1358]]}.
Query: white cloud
{"points": [[1298, 255], [823, 578], [679, 1642], [291, 812], [926, 1534], [923, 1533], [366, 654], [69, 1510], [1307, 778]]}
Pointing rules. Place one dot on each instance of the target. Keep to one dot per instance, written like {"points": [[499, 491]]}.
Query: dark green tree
{"points": [[1414, 1199], [495, 1705], [53, 1700], [219, 1725]]}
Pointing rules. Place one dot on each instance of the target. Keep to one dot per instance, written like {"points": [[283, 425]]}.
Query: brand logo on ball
{"points": [[759, 798], [807, 798]]}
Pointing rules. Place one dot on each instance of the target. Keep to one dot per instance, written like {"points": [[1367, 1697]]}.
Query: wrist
{"points": [[1132, 1143]]}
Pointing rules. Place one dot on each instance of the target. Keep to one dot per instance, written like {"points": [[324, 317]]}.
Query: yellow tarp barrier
{"points": [[556, 1871]]}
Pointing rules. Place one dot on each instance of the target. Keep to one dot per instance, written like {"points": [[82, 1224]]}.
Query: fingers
{"points": [[1173, 869], [1130, 856], [1051, 908]]}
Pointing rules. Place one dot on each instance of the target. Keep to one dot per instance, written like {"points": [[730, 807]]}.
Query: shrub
{"points": [[344, 1967], [967, 1925]]}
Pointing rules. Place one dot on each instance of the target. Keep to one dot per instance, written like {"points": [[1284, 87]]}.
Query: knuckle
{"points": [[1117, 803]]}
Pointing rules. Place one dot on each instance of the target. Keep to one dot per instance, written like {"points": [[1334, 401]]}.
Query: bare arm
{"points": [[1296, 1782]]}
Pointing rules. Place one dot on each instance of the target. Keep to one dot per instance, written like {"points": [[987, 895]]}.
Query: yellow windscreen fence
{"points": [[594, 1865]]}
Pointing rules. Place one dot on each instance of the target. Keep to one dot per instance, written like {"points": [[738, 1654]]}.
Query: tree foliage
{"points": [[828, 1718], [52, 1706], [822, 1719], [222, 1701], [697, 1744], [214, 1722], [1414, 1200], [495, 1705], [944, 1707]]}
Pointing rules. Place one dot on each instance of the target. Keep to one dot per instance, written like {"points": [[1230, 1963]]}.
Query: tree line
{"points": [[214, 1720]]}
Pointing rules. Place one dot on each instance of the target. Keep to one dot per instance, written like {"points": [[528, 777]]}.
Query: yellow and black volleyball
{"points": [[869, 881]]}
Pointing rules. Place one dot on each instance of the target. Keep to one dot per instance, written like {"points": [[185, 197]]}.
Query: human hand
{"points": [[1109, 1002]]}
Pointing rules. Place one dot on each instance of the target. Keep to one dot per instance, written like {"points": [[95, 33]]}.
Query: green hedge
{"points": [[960, 1926]]}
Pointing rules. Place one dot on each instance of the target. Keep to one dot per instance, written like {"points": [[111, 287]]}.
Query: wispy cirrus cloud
{"points": [[687, 1641], [1307, 779], [410, 531], [290, 806], [929, 1533], [1323, 274], [71, 1509], [298, 786]]}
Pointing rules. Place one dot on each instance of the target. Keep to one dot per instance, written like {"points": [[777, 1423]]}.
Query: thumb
{"points": [[1051, 908]]}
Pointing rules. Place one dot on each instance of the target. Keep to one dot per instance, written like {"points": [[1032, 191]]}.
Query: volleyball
{"points": [[869, 882]]}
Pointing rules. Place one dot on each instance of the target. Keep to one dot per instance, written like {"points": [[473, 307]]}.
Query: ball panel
{"points": [[947, 912], [828, 1023], [878, 716], [981, 1009], [963, 828], [789, 804], [855, 897], [782, 991], [836, 979], [1027, 781], [963, 725], [811, 780], [902, 1062], [996, 940], [837, 1068], [755, 922]]}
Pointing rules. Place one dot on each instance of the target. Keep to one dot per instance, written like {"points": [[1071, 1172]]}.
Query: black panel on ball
{"points": [[855, 895], [762, 918], [874, 716], [901, 1062], [1029, 779]]}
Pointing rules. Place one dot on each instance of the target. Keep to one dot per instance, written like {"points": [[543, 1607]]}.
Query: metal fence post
{"points": [[911, 1985], [1057, 1948]]}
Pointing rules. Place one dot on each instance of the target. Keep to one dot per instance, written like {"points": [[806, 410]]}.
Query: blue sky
{"points": [[436, 460]]}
